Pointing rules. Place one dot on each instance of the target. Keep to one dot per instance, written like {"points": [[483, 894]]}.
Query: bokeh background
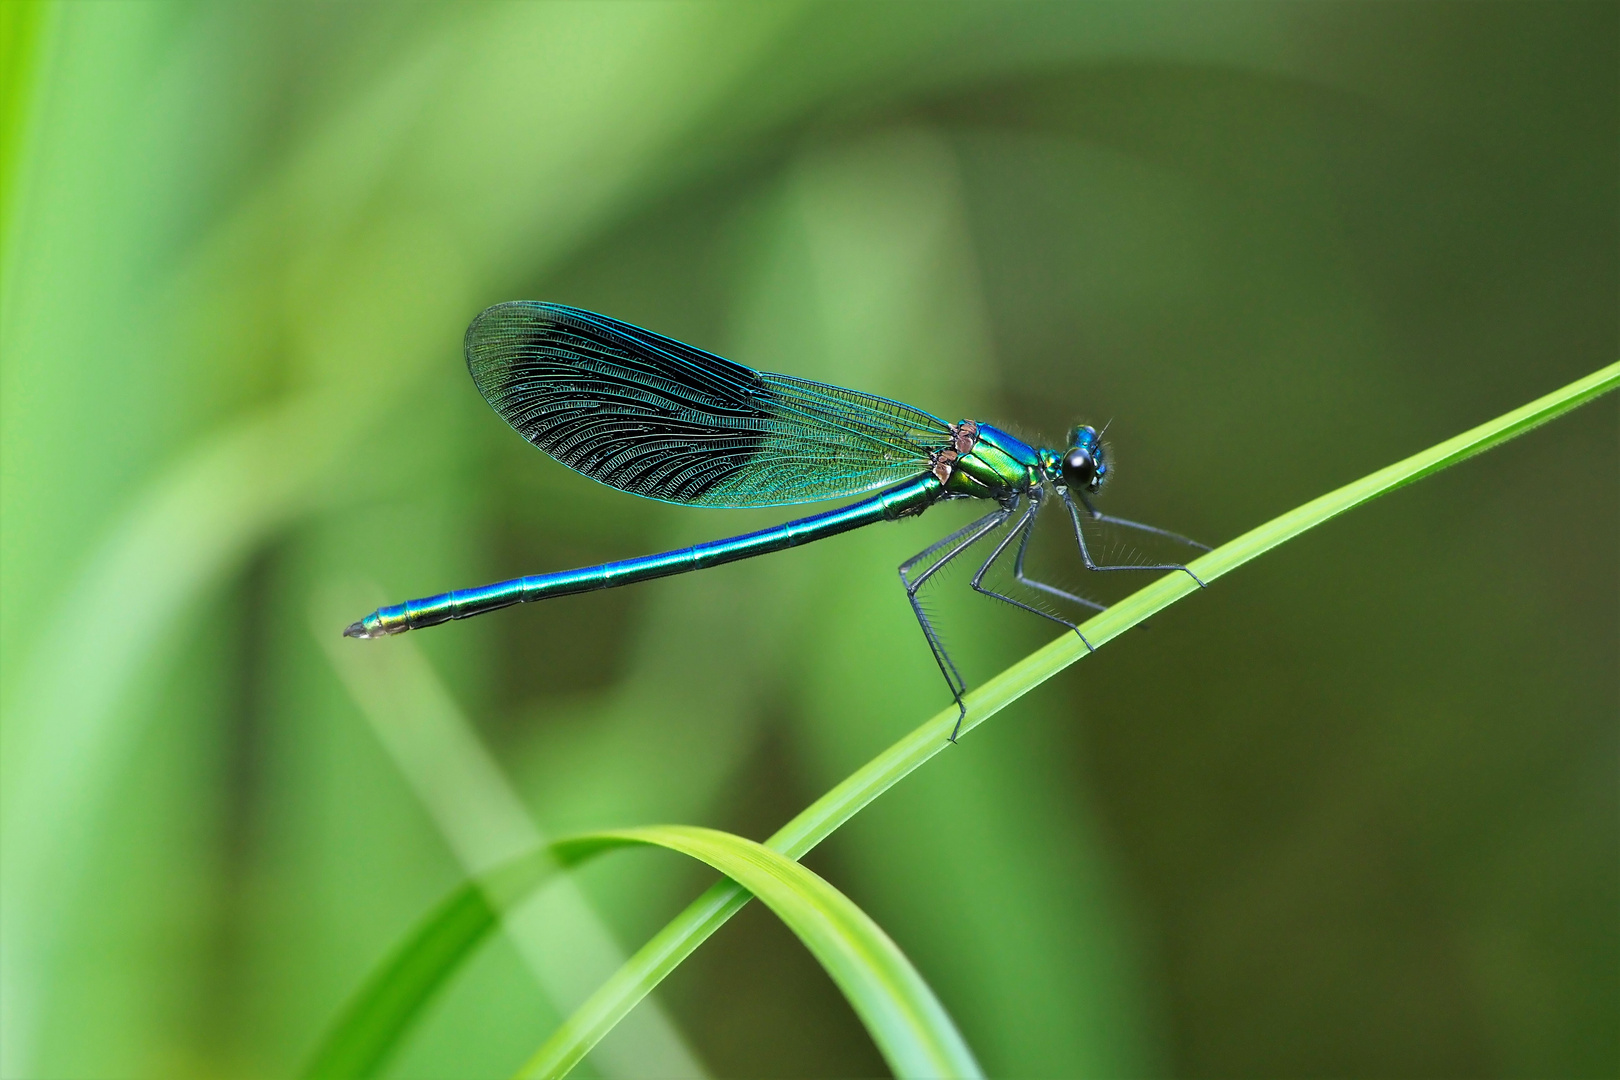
{"points": [[1352, 812]]}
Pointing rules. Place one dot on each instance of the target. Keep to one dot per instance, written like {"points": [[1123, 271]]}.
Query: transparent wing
{"points": [[651, 416]]}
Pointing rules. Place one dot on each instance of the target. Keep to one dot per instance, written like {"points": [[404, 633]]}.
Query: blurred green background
{"points": [[1352, 812]]}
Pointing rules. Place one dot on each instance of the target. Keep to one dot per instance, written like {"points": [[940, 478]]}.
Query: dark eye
{"points": [[1078, 468]]}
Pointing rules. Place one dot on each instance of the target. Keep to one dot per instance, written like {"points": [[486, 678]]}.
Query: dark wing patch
{"points": [[646, 414]]}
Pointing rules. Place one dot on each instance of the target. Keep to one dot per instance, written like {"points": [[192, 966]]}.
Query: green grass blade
{"points": [[666, 949], [906, 1021], [372, 1025]]}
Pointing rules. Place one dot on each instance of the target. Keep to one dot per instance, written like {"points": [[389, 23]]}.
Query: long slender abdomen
{"points": [[896, 502]]}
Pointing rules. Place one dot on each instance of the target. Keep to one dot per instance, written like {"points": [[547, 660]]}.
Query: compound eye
{"points": [[1078, 468]]}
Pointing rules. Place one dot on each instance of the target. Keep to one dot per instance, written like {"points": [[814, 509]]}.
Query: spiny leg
{"points": [[1023, 529], [1085, 553], [999, 514], [962, 539], [1097, 515], [958, 541], [1024, 579]]}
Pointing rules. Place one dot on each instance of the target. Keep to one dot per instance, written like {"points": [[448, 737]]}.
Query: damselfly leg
{"points": [[1085, 552], [1052, 590], [1097, 515], [957, 542], [1022, 532]]}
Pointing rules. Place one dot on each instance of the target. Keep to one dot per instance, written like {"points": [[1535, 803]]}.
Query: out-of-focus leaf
{"points": [[905, 1019], [23, 25]]}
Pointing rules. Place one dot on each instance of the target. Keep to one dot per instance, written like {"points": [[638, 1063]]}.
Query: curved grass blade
{"points": [[906, 1021], [666, 949], [374, 1021]]}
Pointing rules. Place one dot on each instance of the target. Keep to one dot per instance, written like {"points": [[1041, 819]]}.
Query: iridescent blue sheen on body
{"points": [[653, 417], [890, 505]]}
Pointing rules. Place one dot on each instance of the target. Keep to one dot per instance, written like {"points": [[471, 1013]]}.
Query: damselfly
{"points": [[646, 414]]}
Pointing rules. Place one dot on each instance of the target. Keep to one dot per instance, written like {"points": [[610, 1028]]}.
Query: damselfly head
{"points": [[1084, 466]]}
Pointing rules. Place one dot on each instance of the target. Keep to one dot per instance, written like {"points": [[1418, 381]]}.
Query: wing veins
{"points": [[657, 418]]}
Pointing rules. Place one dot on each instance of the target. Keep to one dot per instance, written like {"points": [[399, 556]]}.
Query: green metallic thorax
{"points": [[996, 465]]}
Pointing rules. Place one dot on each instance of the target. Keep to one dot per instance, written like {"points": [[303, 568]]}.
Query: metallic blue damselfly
{"points": [[648, 415]]}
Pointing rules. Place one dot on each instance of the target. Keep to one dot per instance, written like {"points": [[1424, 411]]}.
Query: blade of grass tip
{"points": [[683, 934]]}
